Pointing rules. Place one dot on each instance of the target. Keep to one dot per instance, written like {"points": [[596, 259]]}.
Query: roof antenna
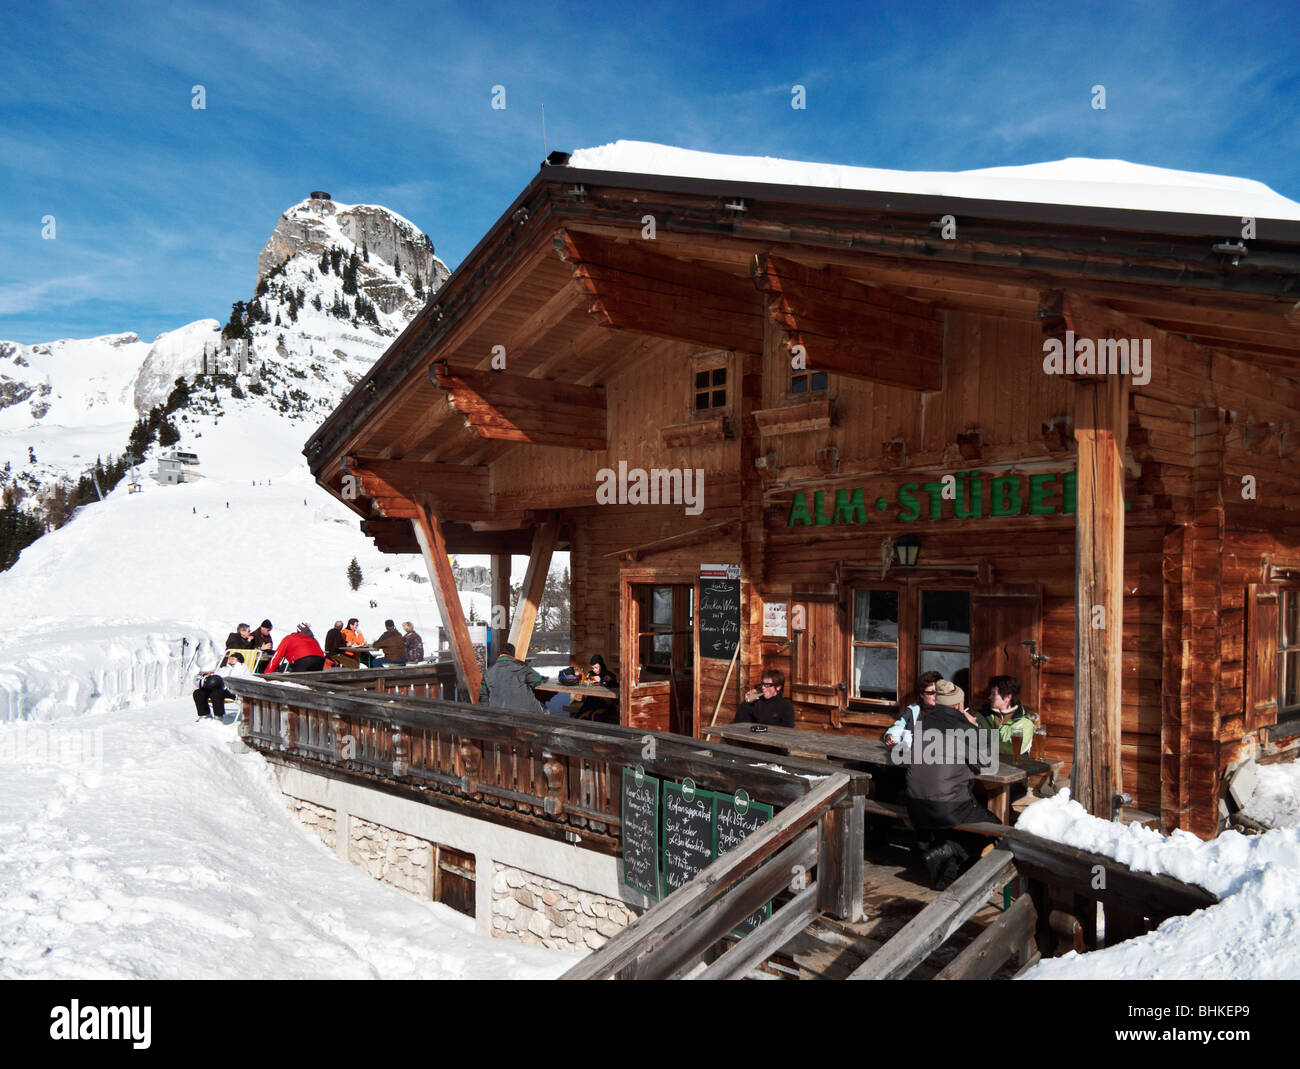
{"points": [[543, 131]]}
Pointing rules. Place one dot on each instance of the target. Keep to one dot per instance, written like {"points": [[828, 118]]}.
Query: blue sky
{"points": [[160, 210]]}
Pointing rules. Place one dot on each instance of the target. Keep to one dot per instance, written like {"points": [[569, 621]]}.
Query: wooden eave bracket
{"points": [[633, 289], [397, 488], [850, 328], [515, 408]]}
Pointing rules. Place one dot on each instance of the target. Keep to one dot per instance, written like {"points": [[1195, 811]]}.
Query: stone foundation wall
{"points": [[319, 819], [394, 857], [533, 909]]}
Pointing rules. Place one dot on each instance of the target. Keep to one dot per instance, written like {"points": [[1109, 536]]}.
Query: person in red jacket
{"points": [[300, 650]]}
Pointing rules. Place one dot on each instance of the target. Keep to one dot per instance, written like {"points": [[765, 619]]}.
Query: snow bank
{"points": [[1276, 803], [140, 846], [1253, 933], [1094, 183]]}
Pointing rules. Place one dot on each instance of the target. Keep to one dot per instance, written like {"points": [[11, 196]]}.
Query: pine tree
{"points": [[235, 328], [365, 253], [397, 267], [354, 575], [419, 286], [324, 264]]}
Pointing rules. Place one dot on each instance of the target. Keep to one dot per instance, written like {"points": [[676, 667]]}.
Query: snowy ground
{"points": [[1252, 934], [135, 844]]}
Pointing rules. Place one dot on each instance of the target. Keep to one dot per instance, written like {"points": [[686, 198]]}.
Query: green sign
{"points": [[965, 495]]}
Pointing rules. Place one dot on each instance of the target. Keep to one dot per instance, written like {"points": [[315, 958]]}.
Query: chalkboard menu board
{"points": [[641, 833], [688, 833], [734, 822], [719, 611]]}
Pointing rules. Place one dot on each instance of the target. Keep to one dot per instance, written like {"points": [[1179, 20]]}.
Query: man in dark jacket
{"points": [[241, 638], [334, 641], [392, 645], [947, 750], [767, 705], [509, 683]]}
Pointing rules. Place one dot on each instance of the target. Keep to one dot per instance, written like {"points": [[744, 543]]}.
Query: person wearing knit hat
{"points": [[948, 693]]}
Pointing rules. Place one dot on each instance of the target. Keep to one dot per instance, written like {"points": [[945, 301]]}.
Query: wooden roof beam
{"points": [[515, 408], [850, 328], [634, 289]]}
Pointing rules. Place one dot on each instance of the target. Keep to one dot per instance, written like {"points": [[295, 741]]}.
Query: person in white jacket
{"points": [[211, 694], [901, 729]]}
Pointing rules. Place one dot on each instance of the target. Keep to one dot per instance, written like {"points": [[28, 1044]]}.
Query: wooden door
{"points": [[1004, 620]]}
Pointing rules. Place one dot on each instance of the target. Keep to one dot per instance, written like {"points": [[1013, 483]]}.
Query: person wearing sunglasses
{"points": [[766, 704], [900, 731]]}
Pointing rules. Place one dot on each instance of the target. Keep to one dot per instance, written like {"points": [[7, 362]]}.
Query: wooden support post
{"points": [[499, 618], [1101, 427], [840, 872], [434, 550], [539, 563]]}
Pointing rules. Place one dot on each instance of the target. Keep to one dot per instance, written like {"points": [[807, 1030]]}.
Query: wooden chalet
{"points": [[858, 382]]}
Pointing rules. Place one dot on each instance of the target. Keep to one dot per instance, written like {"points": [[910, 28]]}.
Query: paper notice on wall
{"points": [[719, 571], [775, 619]]}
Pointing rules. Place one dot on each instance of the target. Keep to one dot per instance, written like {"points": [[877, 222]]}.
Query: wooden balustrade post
{"points": [[840, 871], [339, 731], [553, 769], [401, 750], [471, 760]]}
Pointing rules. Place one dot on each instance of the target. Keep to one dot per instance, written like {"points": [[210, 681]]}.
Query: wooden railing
{"points": [[821, 831], [548, 775]]}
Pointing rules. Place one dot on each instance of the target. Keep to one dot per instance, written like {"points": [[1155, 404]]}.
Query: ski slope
{"points": [[136, 845]]}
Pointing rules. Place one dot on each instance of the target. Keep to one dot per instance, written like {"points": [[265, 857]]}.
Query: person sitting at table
{"points": [[352, 633], [900, 731], [1004, 714], [394, 649], [509, 683], [414, 643], [211, 692], [334, 643], [241, 638], [767, 704], [939, 781], [592, 707], [300, 651], [570, 675]]}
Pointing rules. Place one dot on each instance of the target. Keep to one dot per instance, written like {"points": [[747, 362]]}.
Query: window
{"points": [[1288, 654], [945, 635], [664, 644], [900, 631], [875, 645], [803, 383], [710, 389]]}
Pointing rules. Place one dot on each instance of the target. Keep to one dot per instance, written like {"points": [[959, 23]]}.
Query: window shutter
{"points": [[1262, 668], [821, 645]]}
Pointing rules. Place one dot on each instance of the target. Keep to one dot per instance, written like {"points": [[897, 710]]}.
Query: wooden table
{"points": [[578, 690], [835, 746]]}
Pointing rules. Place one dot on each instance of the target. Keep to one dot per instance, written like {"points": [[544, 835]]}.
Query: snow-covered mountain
{"points": [[107, 598], [335, 284]]}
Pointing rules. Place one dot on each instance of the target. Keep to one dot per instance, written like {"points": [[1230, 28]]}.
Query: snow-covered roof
{"points": [[1114, 184]]}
